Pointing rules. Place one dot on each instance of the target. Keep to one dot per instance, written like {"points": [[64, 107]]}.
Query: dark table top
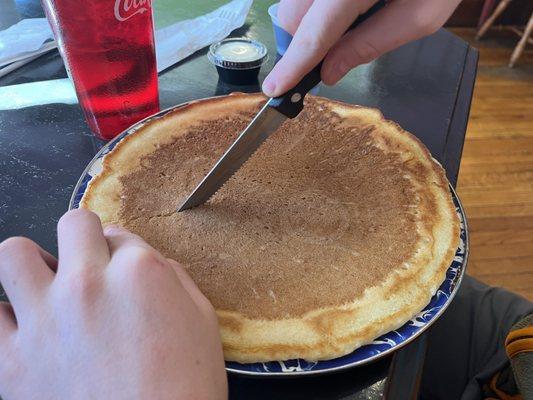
{"points": [[425, 86]]}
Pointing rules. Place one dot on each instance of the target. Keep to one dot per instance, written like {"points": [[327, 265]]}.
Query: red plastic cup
{"points": [[108, 50]]}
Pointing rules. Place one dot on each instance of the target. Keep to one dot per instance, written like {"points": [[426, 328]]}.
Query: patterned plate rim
{"points": [[238, 368]]}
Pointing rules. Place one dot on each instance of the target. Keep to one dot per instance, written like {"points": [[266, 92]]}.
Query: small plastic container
{"points": [[238, 60]]}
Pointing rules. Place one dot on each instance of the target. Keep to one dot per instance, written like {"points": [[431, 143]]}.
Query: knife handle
{"points": [[292, 102]]}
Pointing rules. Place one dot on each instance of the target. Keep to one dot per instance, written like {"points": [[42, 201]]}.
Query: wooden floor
{"points": [[496, 177]]}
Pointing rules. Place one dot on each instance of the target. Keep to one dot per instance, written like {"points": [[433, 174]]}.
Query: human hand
{"points": [[319, 28], [115, 321]]}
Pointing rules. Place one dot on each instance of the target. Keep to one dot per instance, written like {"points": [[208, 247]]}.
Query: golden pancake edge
{"points": [[337, 230]]}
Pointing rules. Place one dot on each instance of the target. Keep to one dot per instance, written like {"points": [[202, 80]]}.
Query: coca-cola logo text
{"points": [[125, 9]]}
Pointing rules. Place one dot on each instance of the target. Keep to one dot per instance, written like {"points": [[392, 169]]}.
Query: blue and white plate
{"points": [[380, 347]]}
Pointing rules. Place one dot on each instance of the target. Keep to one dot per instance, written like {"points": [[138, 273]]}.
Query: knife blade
{"points": [[262, 126], [270, 117]]}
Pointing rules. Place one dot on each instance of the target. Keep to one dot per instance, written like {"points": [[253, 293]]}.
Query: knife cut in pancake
{"points": [[338, 229]]}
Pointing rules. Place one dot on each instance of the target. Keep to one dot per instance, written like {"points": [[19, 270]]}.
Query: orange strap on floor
{"points": [[519, 341], [501, 395]]}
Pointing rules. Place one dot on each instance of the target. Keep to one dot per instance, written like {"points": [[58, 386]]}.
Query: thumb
{"points": [[320, 28]]}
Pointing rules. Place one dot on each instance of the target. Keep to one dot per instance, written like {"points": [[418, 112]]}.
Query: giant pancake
{"points": [[338, 229]]}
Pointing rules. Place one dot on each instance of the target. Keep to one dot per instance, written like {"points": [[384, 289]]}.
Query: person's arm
{"points": [[110, 319], [318, 28]]}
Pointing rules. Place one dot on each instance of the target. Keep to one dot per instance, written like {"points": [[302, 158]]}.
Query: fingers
{"points": [[49, 259], [291, 13], [81, 241], [126, 245], [323, 24], [8, 323], [24, 274], [119, 238], [399, 22], [194, 292]]}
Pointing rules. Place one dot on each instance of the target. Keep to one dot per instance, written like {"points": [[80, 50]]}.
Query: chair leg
{"points": [[488, 7], [518, 50], [487, 24]]}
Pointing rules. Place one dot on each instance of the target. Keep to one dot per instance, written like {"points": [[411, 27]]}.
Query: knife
{"points": [[267, 121]]}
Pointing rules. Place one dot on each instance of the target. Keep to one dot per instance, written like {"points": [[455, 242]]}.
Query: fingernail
{"points": [[269, 87]]}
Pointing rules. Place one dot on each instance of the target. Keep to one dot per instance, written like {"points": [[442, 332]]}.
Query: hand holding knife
{"points": [[270, 117]]}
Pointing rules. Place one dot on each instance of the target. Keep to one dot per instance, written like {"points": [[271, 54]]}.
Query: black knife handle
{"points": [[292, 102]]}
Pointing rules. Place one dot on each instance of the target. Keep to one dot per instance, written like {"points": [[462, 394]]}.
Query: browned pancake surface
{"points": [[338, 229], [314, 216]]}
